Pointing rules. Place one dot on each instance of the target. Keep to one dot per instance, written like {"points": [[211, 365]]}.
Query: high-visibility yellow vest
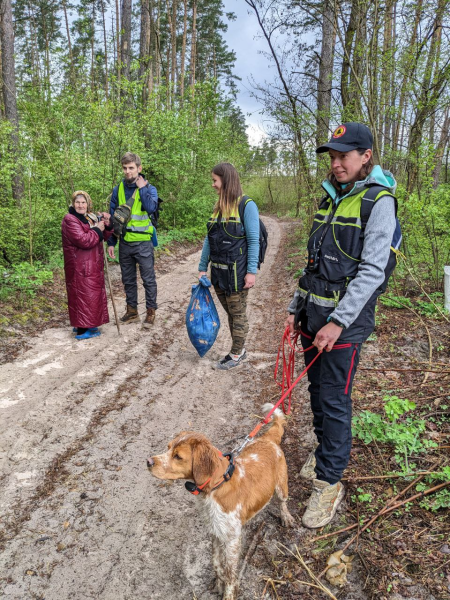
{"points": [[139, 228]]}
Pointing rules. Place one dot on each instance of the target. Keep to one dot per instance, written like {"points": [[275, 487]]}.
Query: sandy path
{"points": [[81, 516]]}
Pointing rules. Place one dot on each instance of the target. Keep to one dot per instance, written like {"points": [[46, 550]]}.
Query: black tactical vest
{"points": [[228, 252]]}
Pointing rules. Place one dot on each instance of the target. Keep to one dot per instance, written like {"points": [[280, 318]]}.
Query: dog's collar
{"points": [[195, 489]]}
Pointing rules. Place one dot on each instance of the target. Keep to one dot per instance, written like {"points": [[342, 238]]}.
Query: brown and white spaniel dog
{"points": [[260, 471]]}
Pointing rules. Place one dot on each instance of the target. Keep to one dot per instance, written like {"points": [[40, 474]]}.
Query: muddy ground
{"points": [[81, 517]]}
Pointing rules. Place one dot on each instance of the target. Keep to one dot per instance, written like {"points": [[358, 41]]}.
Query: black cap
{"points": [[347, 137]]}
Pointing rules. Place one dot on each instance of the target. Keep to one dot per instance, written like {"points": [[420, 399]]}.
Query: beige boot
{"points": [[149, 319], [323, 503], [131, 316]]}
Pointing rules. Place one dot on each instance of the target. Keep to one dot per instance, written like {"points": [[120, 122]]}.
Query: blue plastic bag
{"points": [[202, 319]]}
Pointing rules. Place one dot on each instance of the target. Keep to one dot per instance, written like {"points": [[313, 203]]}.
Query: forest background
{"points": [[82, 82]]}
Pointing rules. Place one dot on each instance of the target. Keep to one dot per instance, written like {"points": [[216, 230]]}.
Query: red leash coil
{"points": [[286, 384]]}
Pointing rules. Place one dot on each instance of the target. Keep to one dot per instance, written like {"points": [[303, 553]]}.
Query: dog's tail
{"points": [[278, 422]]}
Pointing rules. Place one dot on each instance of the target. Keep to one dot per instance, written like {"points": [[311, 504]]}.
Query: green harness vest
{"points": [[139, 228]]}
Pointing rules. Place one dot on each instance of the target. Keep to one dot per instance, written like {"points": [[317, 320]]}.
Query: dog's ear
{"points": [[204, 460]]}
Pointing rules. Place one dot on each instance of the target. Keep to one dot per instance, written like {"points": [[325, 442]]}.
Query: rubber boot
{"points": [[149, 319], [131, 316]]}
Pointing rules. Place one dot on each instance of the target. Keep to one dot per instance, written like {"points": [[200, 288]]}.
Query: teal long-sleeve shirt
{"points": [[251, 229]]}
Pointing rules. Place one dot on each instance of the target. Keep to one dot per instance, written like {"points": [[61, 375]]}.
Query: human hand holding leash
{"points": [[290, 323], [327, 336]]}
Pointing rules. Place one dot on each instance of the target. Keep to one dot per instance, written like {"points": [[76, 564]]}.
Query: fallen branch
{"points": [[316, 580], [393, 475]]}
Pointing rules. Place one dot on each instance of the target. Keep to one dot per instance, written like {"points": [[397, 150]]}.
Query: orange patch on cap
{"points": [[339, 131]]}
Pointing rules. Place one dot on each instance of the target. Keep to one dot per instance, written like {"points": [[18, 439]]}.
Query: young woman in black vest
{"points": [[232, 247], [349, 262]]}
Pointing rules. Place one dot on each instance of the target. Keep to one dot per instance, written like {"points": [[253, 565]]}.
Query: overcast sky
{"points": [[242, 37]]}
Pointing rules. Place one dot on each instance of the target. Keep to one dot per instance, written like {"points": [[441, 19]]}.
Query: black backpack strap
{"points": [[368, 200], [241, 207]]}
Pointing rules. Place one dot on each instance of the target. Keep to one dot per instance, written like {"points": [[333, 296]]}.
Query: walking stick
{"points": [[110, 289]]}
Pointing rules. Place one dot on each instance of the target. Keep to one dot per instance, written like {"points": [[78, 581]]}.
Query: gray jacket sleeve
{"points": [[374, 258]]}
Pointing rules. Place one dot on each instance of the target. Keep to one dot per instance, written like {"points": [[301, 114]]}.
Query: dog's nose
{"points": [[150, 463]]}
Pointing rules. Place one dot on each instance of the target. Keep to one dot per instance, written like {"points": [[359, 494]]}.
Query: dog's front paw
{"points": [[287, 520]]}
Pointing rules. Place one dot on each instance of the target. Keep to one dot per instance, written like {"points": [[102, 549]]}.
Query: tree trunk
{"points": [[119, 57], [106, 49], [410, 64], [183, 51], [443, 141], [430, 91], [93, 86], [144, 48], [168, 55], [125, 49], [69, 43], [325, 80], [193, 44], [9, 91], [174, 44], [387, 66]]}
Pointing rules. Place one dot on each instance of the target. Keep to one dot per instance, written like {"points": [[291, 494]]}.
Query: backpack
{"points": [[263, 235], [367, 204]]}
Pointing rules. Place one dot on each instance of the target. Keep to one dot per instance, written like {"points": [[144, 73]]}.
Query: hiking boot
{"points": [[308, 469], [87, 335], [131, 316], [149, 319], [75, 329], [323, 503], [230, 361]]}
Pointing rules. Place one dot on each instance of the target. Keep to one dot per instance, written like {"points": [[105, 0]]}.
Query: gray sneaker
{"points": [[308, 469], [228, 362], [323, 503]]}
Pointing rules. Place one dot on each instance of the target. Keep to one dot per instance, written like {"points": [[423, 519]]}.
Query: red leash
{"points": [[286, 384], [289, 364]]}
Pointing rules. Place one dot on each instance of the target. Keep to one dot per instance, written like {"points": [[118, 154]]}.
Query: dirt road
{"points": [[80, 515]]}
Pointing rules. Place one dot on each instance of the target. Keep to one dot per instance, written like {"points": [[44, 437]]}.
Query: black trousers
{"points": [[142, 254], [330, 387]]}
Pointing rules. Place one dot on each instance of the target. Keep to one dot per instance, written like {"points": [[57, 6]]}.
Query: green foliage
{"points": [[403, 432], [424, 216], [22, 281], [75, 142], [422, 306], [362, 496]]}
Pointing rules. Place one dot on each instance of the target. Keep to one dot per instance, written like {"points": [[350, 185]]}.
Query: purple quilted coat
{"points": [[83, 266]]}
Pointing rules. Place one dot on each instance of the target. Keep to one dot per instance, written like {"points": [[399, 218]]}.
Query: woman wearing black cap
{"points": [[349, 263]]}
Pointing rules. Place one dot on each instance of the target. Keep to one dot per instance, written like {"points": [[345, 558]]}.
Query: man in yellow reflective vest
{"points": [[136, 245]]}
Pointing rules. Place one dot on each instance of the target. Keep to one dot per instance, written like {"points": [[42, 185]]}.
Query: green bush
{"points": [[22, 281]]}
